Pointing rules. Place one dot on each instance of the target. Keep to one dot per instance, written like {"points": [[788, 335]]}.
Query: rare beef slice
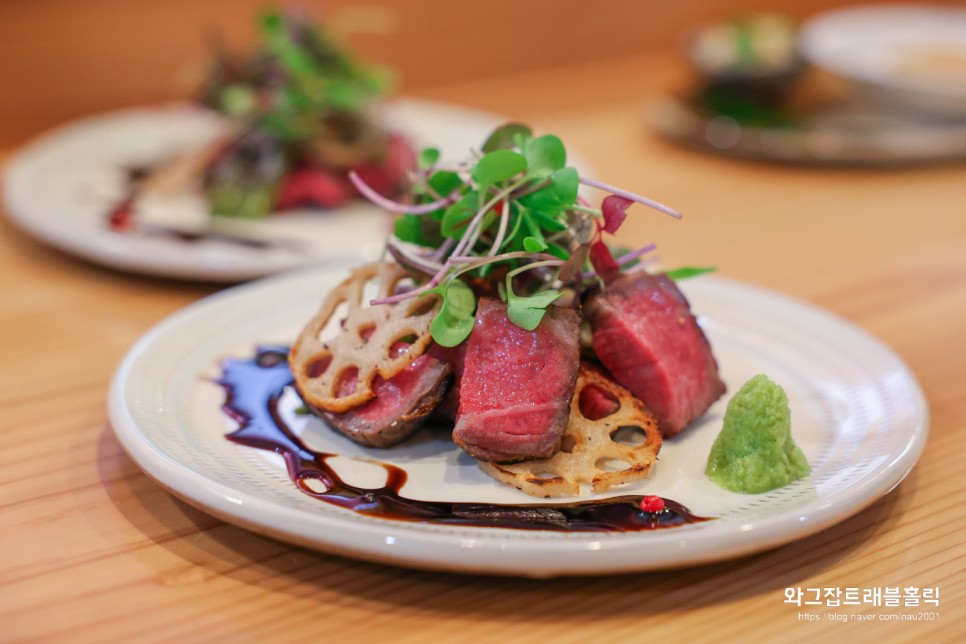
{"points": [[516, 386], [401, 405], [646, 336]]}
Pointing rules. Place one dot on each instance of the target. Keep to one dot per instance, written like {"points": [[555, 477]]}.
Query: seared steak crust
{"points": [[454, 357], [402, 404]]}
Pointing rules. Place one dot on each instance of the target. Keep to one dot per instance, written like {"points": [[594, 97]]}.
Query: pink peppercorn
{"points": [[652, 504]]}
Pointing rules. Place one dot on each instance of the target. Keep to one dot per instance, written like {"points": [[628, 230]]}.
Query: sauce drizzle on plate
{"points": [[253, 387]]}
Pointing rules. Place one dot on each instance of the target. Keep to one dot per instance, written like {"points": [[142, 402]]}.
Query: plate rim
{"points": [[503, 551], [23, 217]]}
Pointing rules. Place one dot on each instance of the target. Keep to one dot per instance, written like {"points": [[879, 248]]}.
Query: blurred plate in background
{"points": [[883, 86], [912, 57], [61, 188], [838, 134]]}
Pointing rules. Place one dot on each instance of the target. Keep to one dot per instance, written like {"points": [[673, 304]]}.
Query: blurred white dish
{"points": [[909, 56], [842, 134], [61, 188]]}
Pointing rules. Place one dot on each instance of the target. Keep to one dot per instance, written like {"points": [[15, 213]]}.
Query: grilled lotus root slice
{"points": [[366, 344], [588, 446]]}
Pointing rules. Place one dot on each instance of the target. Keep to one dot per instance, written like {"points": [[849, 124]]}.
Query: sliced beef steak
{"points": [[515, 393], [646, 336], [454, 357], [401, 405]]}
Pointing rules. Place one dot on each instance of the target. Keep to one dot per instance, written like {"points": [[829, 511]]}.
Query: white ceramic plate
{"points": [[857, 412], [911, 56], [60, 189]]}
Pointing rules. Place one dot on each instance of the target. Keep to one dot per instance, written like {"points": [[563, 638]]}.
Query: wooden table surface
{"points": [[92, 550]]}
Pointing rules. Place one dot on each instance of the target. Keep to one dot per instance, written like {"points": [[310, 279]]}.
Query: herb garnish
{"points": [[299, 76], [299, 100], [513, 207]]}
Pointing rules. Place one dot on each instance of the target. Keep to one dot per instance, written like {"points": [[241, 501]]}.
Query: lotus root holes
{"points": [[596, 403], [318, 366], [629, 435], [347, 382], [403, 285], [365, 332], [611, 464], [335, 323]]}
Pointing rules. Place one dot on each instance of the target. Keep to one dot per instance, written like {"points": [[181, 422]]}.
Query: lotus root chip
{"points": [[348, 342], [589, 448]]}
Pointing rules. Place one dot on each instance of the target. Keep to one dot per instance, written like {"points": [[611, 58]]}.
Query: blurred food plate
{"points": [[838, 134], [62, 188], [908, 56]]}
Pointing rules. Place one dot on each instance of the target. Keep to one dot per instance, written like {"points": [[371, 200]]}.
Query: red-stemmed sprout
{"points": [[394, 206], [516, 204]]}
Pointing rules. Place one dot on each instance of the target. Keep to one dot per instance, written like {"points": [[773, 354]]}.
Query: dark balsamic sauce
{"points": [[253, 388]]}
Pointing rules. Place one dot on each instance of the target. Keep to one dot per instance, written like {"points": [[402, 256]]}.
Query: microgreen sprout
{"points": [[300, 75], [300, 101], [516, 205]]}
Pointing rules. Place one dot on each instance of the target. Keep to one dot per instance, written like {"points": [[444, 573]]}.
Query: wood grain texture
{"points": [[92, 550]]}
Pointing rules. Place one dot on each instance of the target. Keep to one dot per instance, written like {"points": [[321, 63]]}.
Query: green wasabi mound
{"points": [[755, 452]]}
